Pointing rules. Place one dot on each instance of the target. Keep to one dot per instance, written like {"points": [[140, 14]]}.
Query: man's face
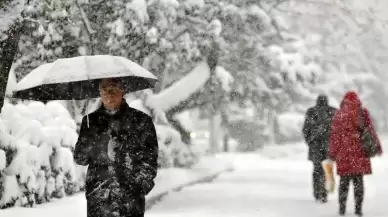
{"points": [[111, 93]]}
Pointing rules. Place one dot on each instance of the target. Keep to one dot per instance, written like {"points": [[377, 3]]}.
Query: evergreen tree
{"points": [[10, 31], [51, 32]]}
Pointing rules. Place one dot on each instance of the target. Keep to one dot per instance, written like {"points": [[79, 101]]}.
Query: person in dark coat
{"points": [[346, 150], [119, 145], [316, 132]]}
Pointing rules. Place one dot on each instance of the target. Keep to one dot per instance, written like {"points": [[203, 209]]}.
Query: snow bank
{"points": [[172, 178], [38, 139]]}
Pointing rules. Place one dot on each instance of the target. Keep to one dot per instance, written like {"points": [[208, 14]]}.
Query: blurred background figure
{"points": [[347, 149], [316, 132]]}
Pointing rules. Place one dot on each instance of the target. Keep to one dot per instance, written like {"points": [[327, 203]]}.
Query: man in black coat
{"points": [[119, 145], [316, 132]]}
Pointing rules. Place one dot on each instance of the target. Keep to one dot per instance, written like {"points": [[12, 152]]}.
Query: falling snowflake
{"points": [[128, 162]]}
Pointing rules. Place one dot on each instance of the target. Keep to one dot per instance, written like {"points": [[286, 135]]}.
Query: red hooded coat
{"points": [[345, 144]]}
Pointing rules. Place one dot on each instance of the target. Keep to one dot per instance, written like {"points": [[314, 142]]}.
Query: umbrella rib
{"points": [[118, 60], [44, 79], [87, 100], [87, 68], [51, 68]]}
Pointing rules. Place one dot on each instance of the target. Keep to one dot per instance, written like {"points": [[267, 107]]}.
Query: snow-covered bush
{"points": [[289, 127], [172, 151], [36, 160]]}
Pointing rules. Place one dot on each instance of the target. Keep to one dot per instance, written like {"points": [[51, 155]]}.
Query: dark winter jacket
{"points": [[316, 129], [345, 143], [124, 182]]}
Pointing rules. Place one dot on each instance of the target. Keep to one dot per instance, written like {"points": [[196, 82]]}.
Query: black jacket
{"points": [[316, 129], [135, 164]]}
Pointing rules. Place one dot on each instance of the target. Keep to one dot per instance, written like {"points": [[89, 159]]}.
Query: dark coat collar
{"points": [[123, 110]]}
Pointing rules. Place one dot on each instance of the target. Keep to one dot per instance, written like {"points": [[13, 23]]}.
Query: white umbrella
{"points": [[77, 78]]}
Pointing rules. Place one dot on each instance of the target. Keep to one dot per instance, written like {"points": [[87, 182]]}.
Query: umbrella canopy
{"points": [[78, 78]]}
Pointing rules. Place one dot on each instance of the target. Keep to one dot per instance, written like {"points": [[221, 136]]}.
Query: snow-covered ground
{"points": [[275, 182], [167, 179]]}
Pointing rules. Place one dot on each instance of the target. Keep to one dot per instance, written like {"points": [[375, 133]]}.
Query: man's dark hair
{"points": [[114, 81]]}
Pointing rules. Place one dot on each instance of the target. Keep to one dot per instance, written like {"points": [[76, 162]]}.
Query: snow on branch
{"points": [[182, 89], [187, 86], [140, 8], [8, 15], [86, 23]]}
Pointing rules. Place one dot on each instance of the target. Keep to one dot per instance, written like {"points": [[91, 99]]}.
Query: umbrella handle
{"points": [[87, 112]]}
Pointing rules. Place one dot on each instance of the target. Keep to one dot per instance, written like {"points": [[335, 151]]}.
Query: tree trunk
{"points": [[214, 128], [225, 133], [178, 126], [226, 143], [271, 125], [8, 50]]}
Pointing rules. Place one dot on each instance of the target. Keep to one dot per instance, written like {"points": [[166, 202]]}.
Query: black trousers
{"points": [[99, 209], [358, 183], [319, 189]]}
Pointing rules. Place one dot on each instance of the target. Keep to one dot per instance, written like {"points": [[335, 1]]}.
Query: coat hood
{"points": [[322, 100], [351, 106], [351, 98]]}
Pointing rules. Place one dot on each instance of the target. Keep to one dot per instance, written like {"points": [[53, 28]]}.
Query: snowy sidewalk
{"points": [[166, 181], [273, 183]]}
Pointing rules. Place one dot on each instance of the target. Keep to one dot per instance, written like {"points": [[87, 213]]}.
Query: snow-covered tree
{"points": [[353, 37], [10, 30], [50, 32]]}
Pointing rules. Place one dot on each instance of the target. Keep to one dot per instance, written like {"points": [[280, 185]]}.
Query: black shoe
{"points": [[342, 210], [323, 200], [359, 213]]}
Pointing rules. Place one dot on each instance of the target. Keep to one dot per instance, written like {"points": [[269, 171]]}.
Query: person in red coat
{"points": [[346, 150]]}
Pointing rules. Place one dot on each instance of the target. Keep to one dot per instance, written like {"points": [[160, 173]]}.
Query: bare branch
{"points": [[85, 20], [276, 5], [35, 20], [180, 34], [273, 21], [87, 25], [196, 21]]}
